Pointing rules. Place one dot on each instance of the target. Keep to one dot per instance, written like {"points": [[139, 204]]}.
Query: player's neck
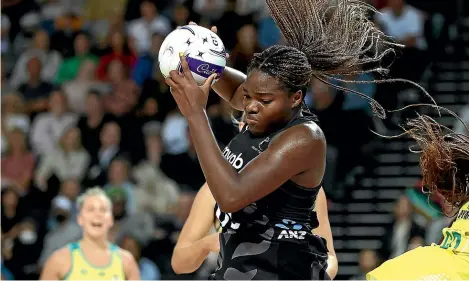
{"points": [[95, 243]]}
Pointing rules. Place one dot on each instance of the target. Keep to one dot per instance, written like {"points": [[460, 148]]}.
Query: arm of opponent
{"points": [[193, 244], [288, 155], [324, 230]]}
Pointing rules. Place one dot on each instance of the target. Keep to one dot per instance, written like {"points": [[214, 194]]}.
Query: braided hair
{"points": [[324, 38], [444, 158]]}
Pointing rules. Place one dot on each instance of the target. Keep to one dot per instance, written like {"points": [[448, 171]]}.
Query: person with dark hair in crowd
{"points": [[444, 161], [266, 180]]}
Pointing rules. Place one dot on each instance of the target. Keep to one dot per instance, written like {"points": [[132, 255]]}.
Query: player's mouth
{"points": [[251, 120], [97, 224]]}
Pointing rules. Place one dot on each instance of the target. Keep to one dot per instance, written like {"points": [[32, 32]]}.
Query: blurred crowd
{"points": [[84, 104]]}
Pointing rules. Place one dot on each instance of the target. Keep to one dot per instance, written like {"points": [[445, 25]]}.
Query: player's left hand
{"points": [[190, 97]]}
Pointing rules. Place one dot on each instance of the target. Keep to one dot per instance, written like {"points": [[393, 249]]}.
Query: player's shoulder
{"points": [[62, 252], [61, 257], [306, 133], [126, 256]]}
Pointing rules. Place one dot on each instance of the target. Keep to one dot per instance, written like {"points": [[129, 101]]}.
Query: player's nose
{"points": [[252, 107]]}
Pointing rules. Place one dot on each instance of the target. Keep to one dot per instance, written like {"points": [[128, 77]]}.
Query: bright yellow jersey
{"points": [[81, 269], [447, 261]]}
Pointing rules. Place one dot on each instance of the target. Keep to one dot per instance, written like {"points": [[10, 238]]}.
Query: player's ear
{"points": [[296, 98]]}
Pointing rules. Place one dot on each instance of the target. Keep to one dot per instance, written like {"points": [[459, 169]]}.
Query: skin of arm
{"points": [[228, 87], [57, 265], [288, 155], [131, 269], [193, 244], [324, 230]]}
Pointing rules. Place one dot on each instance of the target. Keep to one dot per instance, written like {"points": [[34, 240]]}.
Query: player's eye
{"points": [[266, 101]]}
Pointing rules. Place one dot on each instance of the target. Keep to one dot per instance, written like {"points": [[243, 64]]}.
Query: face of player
{"points": [[96, 217], [266, 104]]}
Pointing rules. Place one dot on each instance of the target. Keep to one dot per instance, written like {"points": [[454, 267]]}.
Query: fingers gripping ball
{"points": [[203, 49]]}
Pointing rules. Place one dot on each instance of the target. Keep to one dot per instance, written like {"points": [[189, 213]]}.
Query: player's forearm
{"points": [[332, 265], [188, 259], [222, 179], [227, 87]]}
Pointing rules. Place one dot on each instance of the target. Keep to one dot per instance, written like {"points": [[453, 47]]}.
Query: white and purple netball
{"points": [[203, 49]]}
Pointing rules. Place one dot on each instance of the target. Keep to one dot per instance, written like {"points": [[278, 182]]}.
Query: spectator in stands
{"points": [[401, 231], [245, 48], [148, 269], [70, 189], [416, 242], [125, 92], [118, 177], [13, 113], [50, 10], [368, 261], [18, 163], [221, 120], [26, 250], [35, 91], [139, 225], [49, 127], [433, 232], [93, 121], [67, 161], [67, 29], [69, 68], [63, 228], [209, 9], [5, 41], [327, 104], [180, 15], [110, 138], [145, 64], [50, 60], [192, 178], [12, 215], [5, 84], [406, 25], [77, 89], [119, 50], [156, 193], [29, 24], [458, 127], [150, 22]]}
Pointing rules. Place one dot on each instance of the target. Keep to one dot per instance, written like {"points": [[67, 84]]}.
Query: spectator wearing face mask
{"points": [[25, 250], [64, 228]]}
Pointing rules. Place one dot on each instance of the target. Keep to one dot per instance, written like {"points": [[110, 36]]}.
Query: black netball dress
{"points": [[271, 238]]}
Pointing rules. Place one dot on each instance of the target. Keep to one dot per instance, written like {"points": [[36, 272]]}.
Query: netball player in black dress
{"points": [[266, 180]]}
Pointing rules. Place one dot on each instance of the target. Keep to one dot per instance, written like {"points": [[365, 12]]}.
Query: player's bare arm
{"points": [[324, 230], [193, 244], [229, 87], [57, 266], [298, 150], [131, 269]]}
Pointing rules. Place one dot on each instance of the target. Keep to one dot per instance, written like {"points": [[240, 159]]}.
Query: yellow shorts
{"points": [[424, 263]]}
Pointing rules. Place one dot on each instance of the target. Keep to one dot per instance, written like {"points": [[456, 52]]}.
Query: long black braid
{"points": [[325, 38]]}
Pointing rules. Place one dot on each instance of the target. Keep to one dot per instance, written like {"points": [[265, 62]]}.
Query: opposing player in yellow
{"points": [[92, 258], [444, 162]]}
